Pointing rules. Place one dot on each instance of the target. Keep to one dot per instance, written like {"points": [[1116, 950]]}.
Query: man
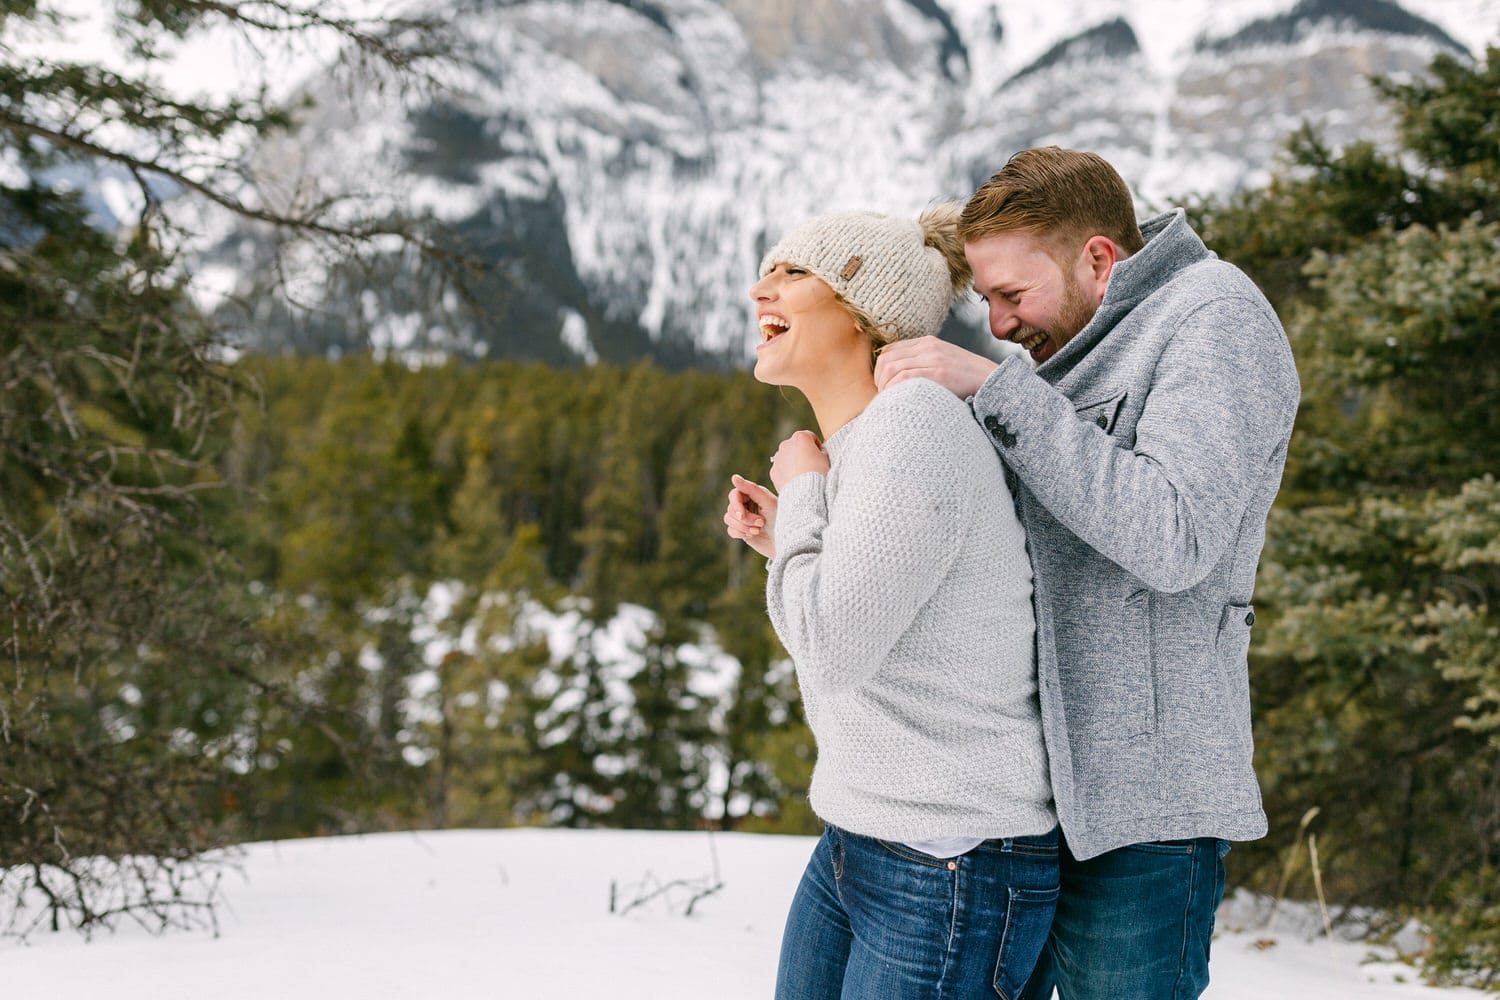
{"points": [[1145, 449]]}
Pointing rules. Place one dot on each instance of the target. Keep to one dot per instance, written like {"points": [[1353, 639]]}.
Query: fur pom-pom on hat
{"points": [[902, 273]]}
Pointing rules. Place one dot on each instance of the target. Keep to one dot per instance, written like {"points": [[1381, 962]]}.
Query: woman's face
{"points": [[805, 330]]}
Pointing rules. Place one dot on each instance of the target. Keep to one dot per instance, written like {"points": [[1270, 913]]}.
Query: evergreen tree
{"points": [[488, 767], [131, 644], [1375, 673], [767, 747], [1330, 200], [618, 535], [644, 724]]}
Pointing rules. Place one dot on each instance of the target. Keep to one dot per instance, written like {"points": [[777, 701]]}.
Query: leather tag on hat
{"points": [[851, 268]]}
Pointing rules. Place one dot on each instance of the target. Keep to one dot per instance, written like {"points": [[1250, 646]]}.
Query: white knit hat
{"points": [[879, 263]]}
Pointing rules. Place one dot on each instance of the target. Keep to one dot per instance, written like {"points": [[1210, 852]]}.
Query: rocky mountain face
{"points": [[621, 164]]}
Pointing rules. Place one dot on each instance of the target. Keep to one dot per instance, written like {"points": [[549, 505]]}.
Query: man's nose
{"points": [[1003, 319]]}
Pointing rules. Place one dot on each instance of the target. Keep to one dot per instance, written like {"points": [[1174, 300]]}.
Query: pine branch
{"points": [[307, 223]]}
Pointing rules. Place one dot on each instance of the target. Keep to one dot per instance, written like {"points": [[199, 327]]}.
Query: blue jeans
{"points": [[879, 920], [1134, 923]]}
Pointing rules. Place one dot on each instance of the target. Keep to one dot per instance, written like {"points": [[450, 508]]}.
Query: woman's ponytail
{"points": [[940, 231]]}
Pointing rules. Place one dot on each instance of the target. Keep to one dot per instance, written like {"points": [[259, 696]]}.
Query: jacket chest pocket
{"points": [[1103, 412]]}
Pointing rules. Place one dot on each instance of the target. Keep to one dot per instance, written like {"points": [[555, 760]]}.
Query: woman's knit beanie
{"points": [[902, 273]]}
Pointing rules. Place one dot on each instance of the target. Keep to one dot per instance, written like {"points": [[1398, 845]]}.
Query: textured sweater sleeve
{"points": [[851, 574], [1221, 405]]}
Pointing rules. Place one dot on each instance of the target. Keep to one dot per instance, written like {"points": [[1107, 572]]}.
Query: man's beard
{"points": [[1073, 314]]}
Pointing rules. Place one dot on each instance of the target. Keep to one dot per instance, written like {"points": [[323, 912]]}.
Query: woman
{"points": [[900, 584]]}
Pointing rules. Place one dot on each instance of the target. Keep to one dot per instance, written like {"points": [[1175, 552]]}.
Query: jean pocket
{"points": [[1161, 847], [908, 853], [1028, 919]]}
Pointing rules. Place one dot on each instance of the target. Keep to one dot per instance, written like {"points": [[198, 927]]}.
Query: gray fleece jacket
{"points": [[1146, 454]]}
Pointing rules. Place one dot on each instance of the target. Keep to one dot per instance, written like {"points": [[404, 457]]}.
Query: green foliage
{"points": [[589, 499], [1460, 629], [131, 647], [1376, 672], [111, 594], [358, 494], [1465, 936], [366, 630], [1400, 337], [1324, 200], [1329, 200], [1359, 710], [1449, 122]]}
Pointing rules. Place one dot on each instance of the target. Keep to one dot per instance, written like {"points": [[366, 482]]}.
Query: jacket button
{"points": [[1102, 421], [1250, 618], [999, 431]]}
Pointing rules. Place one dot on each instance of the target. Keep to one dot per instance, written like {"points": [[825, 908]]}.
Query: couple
{"points": [[1018, 597]]}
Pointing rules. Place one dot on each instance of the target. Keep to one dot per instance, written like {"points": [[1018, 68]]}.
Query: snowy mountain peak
{"points": [[1311, 16], [626, 161]]}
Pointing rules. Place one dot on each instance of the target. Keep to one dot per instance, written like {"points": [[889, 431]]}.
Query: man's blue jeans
{"points": [[876, 920], [1134, 923]]}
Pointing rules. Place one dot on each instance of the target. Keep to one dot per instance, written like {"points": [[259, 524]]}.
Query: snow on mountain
{"points": [[625, 162]]}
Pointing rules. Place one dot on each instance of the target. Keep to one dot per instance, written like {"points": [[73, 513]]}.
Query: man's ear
{"points": [[1100, 255]]}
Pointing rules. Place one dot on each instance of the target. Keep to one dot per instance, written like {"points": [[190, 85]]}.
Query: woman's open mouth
{"points": [[772, 327]]}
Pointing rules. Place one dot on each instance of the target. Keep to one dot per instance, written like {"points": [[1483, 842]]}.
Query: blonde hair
{"points": [[940, 230], [865, 322], [1063, 196]]}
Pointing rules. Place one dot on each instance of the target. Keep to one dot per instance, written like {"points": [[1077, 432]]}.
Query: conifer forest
{"points": [[247, 597]]}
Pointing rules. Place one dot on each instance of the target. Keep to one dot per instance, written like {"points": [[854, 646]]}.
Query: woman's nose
{"points": [[761, 290]]}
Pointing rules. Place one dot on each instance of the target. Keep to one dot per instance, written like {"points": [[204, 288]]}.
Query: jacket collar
{"points": [[1171, 246]]}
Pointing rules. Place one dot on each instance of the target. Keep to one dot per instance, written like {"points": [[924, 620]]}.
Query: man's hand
{"points": [[751, 516], [959, 371], [802, 452]]}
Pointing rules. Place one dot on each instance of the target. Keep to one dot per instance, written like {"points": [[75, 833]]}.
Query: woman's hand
{"points": [[751, 516], [802, 452]]}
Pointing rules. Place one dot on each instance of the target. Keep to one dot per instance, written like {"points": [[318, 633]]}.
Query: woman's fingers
{"points": [[754, 491], [750, 501], [742, 513], [739, 519]]}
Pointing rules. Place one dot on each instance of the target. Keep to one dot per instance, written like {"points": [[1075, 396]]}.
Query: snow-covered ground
{"points": [[523, 914]]}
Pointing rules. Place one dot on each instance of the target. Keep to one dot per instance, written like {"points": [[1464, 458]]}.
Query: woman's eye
{"points": [[796, 270]]}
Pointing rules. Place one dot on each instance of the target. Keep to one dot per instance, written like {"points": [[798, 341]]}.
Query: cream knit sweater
{"points": [[902, 589]]}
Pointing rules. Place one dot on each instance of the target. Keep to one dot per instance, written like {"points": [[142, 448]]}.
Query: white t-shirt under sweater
{"points": [[901, 587]]}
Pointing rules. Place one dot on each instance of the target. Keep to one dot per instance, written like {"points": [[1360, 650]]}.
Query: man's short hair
{"points": [[1063, 196]]}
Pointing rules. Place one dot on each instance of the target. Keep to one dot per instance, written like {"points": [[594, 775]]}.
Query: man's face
{"points": [[1034, 300]]}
